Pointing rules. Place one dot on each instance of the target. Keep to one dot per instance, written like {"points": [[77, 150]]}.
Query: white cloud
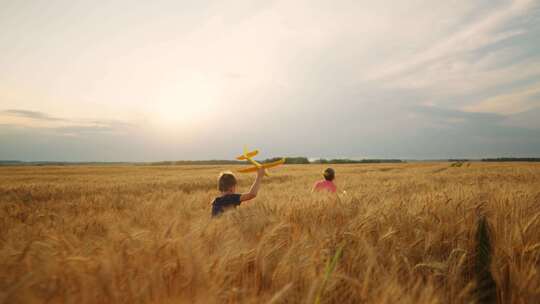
{"points": [[34, 120], [521, 100], [449, 64]]}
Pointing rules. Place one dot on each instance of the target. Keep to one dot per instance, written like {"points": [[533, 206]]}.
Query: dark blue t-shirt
{"points": [[220, 204]]}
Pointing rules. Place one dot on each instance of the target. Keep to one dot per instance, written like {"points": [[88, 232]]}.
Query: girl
{"points": [[328, 183]]}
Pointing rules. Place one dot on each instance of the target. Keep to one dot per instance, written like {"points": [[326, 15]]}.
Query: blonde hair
{"points": [[226, 181]]}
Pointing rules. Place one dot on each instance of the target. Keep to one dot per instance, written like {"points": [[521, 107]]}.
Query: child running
{"points": [[328, 183], [229, 198]]}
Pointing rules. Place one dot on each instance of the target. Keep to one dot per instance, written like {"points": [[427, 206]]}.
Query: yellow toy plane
{"points": [[248, 155]]}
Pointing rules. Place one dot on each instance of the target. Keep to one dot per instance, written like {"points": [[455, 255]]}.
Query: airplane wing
{"points": [[247, 170], [266, 166], [248, 155]]}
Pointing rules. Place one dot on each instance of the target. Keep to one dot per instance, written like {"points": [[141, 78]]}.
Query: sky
{"points": [[175, 80]]}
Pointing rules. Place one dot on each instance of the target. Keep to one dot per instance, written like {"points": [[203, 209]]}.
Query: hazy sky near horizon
{"points": [[169, 80]]}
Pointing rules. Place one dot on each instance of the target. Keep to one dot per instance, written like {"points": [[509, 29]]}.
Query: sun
{"points": [[184, 105]]}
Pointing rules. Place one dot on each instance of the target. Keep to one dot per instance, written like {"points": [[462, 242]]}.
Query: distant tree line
{"points": [[305, 160], [11, 162], [458, 160], [355, 161], [512, 159], [289, 160], [57, 163], [197, 162]]}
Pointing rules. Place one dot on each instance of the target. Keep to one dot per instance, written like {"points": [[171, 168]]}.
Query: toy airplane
{"points": [[248, 155]]}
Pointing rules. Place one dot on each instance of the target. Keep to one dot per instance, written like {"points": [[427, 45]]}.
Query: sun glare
{"points": [[188, 104]]}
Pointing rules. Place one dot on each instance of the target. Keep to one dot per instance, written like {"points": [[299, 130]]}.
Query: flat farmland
{"points": [[406, 233]]}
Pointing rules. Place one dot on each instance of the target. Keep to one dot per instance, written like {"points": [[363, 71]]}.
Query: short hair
{"points": [[226, 181], [329, 174]]}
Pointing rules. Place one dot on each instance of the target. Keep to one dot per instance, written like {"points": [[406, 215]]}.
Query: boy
{"points": [[328, 183], [229, 198]]}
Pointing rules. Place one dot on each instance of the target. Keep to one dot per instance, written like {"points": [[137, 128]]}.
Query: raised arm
{"points": [[254, 187]]}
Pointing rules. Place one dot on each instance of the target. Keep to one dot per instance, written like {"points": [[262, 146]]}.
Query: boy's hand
{"points": [[260, 171]]}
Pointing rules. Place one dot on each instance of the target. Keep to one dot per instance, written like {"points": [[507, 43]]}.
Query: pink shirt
{"points": [[325, 185]]}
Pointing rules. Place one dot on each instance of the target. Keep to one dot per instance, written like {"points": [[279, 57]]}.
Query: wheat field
{"points": [[402, 233]]}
